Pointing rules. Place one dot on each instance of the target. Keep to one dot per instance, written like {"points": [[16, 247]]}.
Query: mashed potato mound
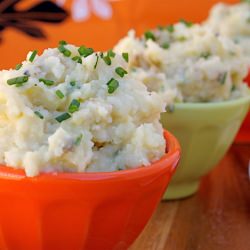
{"points": [[198, 65], [74, 110], [233, 21]]}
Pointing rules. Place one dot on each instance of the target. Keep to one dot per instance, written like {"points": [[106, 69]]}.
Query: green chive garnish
{"points": [[170, 28], [112, 85], [33, 55], [206, 55], [111, 53], [222, 78], [73, 83], [107, 60], [62, 42], [18, 81], [97, 59], [60, 94], [149, 35], [77, 59], [121, 71], [67, 53], [18, 66], [46, 82], [187, 23], [182, 39], [78, 140], [165, 45], [125, 56], [63, 50], [37, 113], [63, 117], [74, 106], [83, 51]]}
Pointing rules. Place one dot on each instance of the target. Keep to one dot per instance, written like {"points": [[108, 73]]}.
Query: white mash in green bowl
{"points": [[233, 21], [195, 63], [201, 72]]}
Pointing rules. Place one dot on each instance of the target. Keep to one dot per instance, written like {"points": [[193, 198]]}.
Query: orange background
{"points": [[101, 34]]}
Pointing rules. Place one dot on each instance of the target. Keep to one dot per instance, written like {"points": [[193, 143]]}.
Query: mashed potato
{"points": [[74, 110], [198, 64], [143, 67], [232, 21]]}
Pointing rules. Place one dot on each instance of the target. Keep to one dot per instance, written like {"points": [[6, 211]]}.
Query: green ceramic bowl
{"points": [[205, 132]]}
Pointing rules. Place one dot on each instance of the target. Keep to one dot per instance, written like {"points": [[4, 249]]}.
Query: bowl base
{"points": [[181, 190]]}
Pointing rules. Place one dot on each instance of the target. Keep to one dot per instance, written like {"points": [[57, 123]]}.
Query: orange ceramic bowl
{"points": [[73, 211], [244, 133]]}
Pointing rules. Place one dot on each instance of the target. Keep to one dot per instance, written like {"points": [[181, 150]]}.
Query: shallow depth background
{"points": [[35, 24]]}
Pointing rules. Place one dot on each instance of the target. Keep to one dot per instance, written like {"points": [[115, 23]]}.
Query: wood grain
{"points": [[216, 218]]}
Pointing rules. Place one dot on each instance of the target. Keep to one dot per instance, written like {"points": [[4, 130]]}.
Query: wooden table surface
{"points": [[216, 218]]}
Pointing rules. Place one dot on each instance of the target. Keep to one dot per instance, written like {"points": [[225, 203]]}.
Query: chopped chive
{"points": [[85, 52], [77, 59], [73, 83], [187, 23], [111, 53], [74, 106], [18, 80], [149, 35], [125, 56], [37, 113], [19, 85], [112, 85], [78, 140], [67, 53], [97, 59], [170, 28], [206, 55], [121, 71], [62, 42], [33, 55], [60, 94], [107, 60], [165, 45], [18, 66], [46, 82], [182, 39], [63, 117], [63, 50], [222, 78], [233, 88]]}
